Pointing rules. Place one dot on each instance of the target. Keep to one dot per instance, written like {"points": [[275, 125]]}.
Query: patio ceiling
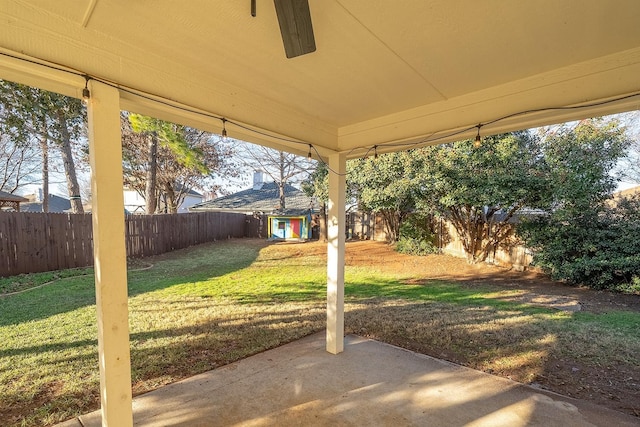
{"points": [[385, 73]]}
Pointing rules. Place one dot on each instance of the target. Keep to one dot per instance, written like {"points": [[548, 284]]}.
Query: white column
{"points": [[335, 253], [110, 257]]}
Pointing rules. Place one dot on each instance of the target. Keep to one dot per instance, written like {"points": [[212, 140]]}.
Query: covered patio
{"points": [[384, 76], [370, 383]]}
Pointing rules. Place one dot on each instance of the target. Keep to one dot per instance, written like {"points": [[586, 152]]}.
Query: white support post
{"points": [[110, 257], [335, 253]]}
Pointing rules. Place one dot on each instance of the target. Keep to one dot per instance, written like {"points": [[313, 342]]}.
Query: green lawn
{"points": [[204, 307]]}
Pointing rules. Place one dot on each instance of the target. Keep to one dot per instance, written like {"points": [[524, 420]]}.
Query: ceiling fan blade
{"points": [[294, 18]]}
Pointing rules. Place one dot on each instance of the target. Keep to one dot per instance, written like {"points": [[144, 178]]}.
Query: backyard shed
{"points": [[289, 227]]}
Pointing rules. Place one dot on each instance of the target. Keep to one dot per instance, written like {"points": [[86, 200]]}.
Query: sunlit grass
{"points": [[204, 307], [24, 282]]}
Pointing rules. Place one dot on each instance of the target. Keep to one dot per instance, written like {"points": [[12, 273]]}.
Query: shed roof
{"points": [[10, 201], [4, 196]]}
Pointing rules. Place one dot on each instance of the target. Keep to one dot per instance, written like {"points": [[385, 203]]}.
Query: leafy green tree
{"points": [[480, 189], [388, 185], [580, 160], [598, 247], [583, 237], [561, 176], [317, 183], [67, 129], [417, 236]]}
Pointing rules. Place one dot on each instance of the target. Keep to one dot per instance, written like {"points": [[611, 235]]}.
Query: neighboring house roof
{"points": [[619, 195], [628, 192], [193, 192], [136, 203], [519, 214], [8, 197], [261, 198], [56, 204]]}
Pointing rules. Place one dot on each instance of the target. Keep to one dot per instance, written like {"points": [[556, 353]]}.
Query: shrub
{"points": [[415, 247], [416, 237], [596, 247], [631, 288]]}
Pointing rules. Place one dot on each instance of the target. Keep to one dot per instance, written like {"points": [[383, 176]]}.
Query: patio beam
{"points": [[335, 252], [110, 257]]}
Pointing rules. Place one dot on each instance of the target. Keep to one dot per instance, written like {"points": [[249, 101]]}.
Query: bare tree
{"points": [[283, 168], [64, 142], [151, 183], [19, 164], [30, 114]]}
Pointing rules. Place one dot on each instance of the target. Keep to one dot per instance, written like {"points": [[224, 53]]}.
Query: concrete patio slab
{"points": [[371, 383]]}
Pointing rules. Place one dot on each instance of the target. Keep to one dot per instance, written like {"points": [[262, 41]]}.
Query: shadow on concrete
{"points": [[371, 383]]}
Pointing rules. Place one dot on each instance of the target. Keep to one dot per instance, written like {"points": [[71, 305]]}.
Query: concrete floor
{"points": [[370, 384]]}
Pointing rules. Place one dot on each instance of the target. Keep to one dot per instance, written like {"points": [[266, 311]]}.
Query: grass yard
{"points": [[207, 306]]}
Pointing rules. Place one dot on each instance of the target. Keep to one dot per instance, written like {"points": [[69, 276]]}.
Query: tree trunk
{"points": [[69, 166], [282, 182], [391, 224], [325, 223], [44, 146], [150, 197], [170, 199]]}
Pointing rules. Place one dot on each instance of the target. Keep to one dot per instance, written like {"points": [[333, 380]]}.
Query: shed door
{"points": [[296, 226]]}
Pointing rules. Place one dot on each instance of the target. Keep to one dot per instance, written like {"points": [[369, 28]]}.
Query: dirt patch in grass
{"points": [[528, 286]]}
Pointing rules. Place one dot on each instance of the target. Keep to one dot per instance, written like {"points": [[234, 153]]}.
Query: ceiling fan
{"points": [[296, 29]]}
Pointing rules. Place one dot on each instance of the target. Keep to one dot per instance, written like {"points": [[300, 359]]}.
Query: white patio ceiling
{"points": [[384, 73]]}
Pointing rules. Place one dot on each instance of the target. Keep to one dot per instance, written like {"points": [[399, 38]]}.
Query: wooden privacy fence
{"points": [[34, 242], [366, 225], [509, 253]]}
